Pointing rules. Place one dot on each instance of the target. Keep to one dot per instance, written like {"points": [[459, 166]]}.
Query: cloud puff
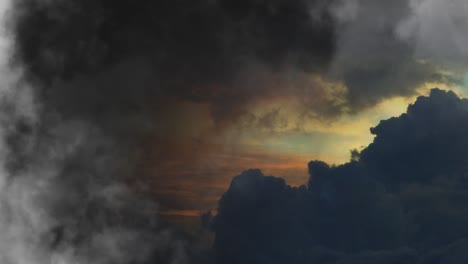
{"points": [[371, 58], [426, 142], [400, 200], [437, 30]]}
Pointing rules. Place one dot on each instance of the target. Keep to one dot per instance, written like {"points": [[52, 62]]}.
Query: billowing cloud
{"points": [[64, 195], [97, 82], [372, 59], [227, 54], [399, 200], [438, 30]]}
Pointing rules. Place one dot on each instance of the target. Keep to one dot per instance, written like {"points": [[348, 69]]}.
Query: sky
{"points": [[279, 119], [205, 160], [120, 119]]}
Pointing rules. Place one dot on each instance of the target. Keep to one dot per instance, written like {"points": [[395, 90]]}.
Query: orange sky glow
{"points": [[195, 159]]}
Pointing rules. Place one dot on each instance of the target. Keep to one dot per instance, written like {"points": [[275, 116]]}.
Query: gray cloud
{"points": [[225, 54], [372, 59], [64, 198], [96, 73], [438, 31], [228, 55], [64, 190]]}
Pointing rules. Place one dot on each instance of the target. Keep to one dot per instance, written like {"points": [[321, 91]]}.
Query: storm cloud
{"points": [[92, 81], [400, 200], [222, 53], [228, 54]]}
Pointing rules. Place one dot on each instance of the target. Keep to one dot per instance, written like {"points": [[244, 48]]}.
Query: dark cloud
{"points": [[426, 142], [178, 37], [102, 73], [99, 76], [371, 59], [228, 54], [203, 51], [401, 200]]}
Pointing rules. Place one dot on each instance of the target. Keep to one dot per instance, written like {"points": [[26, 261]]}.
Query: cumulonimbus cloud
{"points": [[400, 200]]}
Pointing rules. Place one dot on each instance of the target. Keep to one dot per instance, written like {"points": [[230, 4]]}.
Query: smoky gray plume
{"points": [[64, 198], [65, 191]]}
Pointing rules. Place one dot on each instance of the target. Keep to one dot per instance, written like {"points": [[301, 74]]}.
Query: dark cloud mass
{"points": [[403, 200], [97, 77], [371, 58], [182, 37], [194, 50], [226, 53]]}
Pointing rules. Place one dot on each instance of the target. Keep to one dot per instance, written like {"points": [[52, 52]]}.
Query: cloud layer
{"points": [[229, 55]]}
